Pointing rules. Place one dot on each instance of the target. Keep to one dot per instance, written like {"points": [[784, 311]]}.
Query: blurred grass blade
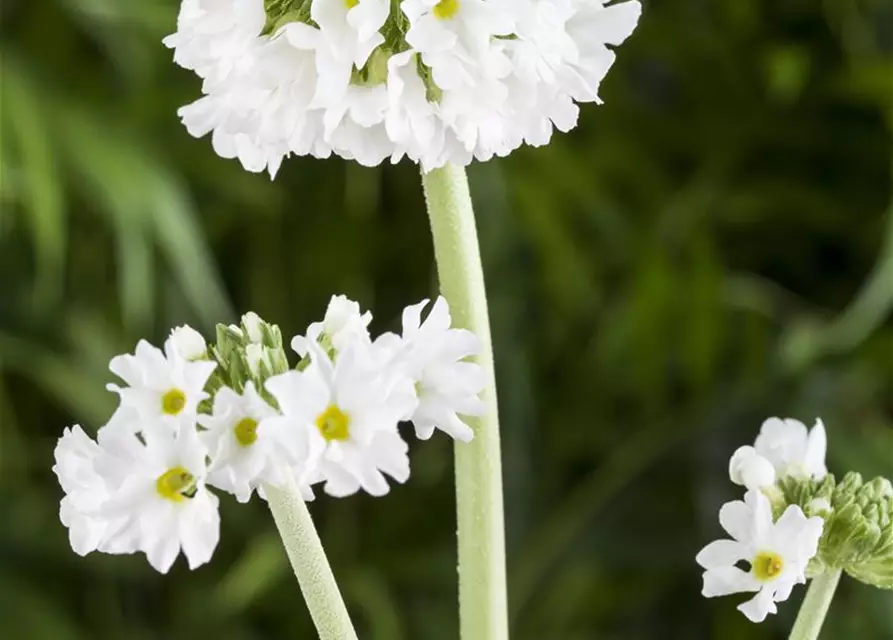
{"points": [[24, 123]]}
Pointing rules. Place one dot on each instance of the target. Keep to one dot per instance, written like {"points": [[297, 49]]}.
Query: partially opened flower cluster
{"points": [[236, 417], [437, 81], [797, 521], [777, 550]]}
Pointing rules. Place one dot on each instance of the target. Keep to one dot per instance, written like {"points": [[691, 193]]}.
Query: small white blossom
{"points": [[163, 387], [130, 494], [189, 343], [434, 356], [777, 552], [343, 323], [85, 490], [243, 454], [214, 37], [342, 420], [792, 449], [750, 469], [253, 325]]}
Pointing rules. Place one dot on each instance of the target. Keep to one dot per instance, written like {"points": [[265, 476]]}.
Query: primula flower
{"points": [[189, 343], [446, 385], [130, 494], [163, 387], [85, 490], [783, 448], [243, 454], [438, 81], [342, 420], [343, 323], [777, 553]]}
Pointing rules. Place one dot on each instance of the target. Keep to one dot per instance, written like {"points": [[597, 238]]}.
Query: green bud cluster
{"points": [[251, 352], [858, 532]]}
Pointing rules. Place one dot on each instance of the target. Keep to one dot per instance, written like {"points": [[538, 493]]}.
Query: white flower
{"points": [[351, 27], [792, 449], [85, 490], [243, 454], [454, 37], [439, 81], [433, 355], [254, 326], [750, 469], [343, 323], [189, 343], [128, 494], [162, 387], [159, 489], [214, 36], [342, 420], [777, 553]]}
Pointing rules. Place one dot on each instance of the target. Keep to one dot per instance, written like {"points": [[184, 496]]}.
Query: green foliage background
{"points": [[712, 246]]}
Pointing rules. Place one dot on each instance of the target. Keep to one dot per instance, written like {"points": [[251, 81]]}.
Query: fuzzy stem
{"points": [[482, 586], [815, 606], [309, 562]]}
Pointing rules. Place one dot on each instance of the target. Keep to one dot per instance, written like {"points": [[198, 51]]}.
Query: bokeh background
{"points": [[712, 246]]}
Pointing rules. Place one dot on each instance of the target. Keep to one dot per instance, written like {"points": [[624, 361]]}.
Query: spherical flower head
{"points": [[778, 553], [792, 449], [160, 496], [750, 469], [163, 387], [189, 343], [243, 454], [434, 355], [341, 420]]}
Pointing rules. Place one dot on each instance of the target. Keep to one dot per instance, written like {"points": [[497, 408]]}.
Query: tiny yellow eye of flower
{"points": [[350, 4], [176, 484], [767, 566], [446, 9], [246, 432], [173, 402], [333, 424]]}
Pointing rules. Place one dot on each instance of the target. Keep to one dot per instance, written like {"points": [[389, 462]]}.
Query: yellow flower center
{"points": [[446, 9], [333, 424], [173, 402], [246, 432], [176, 484], [767, 566], [350, 4]]}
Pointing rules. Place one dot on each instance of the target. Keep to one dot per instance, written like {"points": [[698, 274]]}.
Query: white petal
{"points": [[757, 608], [722, 581], [721, 553]]}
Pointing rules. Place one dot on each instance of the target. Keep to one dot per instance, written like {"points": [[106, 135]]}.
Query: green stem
{"points": [[482, 588], [309, 562], [815, 606]]}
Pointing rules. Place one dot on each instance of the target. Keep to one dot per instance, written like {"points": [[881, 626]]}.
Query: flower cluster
{"points": [[237, 417], [778, 549], [437, 81]]}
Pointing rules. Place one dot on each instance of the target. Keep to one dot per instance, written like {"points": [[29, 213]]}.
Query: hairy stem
{"points": [[815, 606], [482, 586], [309, 562]]}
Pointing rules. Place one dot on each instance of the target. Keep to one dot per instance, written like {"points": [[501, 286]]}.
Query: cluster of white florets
{"points": [[777, 550], [237, 417], [438, 81]]}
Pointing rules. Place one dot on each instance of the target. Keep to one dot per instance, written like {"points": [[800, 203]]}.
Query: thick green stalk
{"points": [[815, 606], [482, 588], [309, 562]]}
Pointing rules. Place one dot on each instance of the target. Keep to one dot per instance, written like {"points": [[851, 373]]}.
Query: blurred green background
{"points": [[712, 246]]}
